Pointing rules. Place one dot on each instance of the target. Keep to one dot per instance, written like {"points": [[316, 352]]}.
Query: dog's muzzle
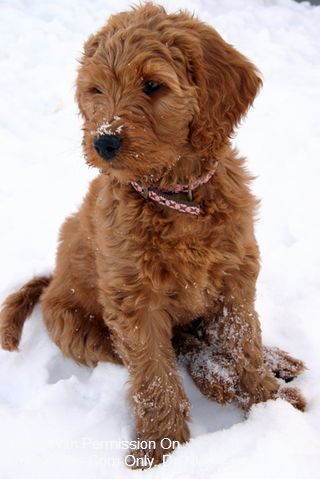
{"points": [[107, 146]]}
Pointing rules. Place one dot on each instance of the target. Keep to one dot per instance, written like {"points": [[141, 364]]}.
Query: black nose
{"points": [[107, 146]]}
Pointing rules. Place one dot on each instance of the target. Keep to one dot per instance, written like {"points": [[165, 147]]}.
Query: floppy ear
{"points": [[89, 49], [227, 85], [92, 44]]}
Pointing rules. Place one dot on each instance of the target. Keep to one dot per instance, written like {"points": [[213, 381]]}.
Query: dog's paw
{"points": [[281, 364], [150, 453], [293, 396], [256, 385], [143, 458]]}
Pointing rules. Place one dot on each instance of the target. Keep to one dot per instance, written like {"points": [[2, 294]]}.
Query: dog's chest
{"points": [[164, 261]]}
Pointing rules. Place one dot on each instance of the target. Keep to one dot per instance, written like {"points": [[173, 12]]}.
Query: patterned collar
{"points": [[166, 197]]}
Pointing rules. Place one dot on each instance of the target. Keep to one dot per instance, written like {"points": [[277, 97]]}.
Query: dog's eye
{"points": [[96, 90], [150, 87]]}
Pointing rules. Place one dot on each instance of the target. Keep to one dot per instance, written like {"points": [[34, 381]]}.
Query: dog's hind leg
{"points": [[71, 310], [216, 375], [81, 335]]}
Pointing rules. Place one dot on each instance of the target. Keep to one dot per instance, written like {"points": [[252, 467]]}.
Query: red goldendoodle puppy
{"points": [[161, 259]]}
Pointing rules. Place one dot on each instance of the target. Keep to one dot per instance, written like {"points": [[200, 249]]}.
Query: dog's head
{"points": [[160, 95]]}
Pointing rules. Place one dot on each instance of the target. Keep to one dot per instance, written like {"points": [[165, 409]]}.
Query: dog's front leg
{"points": [[160, 405]]}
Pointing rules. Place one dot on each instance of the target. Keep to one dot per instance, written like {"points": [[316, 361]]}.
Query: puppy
{"points": [[161, 259]]}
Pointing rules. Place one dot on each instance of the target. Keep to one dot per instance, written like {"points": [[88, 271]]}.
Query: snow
{"points": [[106, 128], [60, 419]]}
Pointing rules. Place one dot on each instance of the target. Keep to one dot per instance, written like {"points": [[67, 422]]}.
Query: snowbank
{"points": [[59, 419]]}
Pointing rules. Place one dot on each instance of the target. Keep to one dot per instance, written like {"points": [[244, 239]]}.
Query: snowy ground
{"points": [[55, 415]]}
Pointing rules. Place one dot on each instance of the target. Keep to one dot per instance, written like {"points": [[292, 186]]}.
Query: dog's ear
{"points": [[227, 85], [89, 49]]}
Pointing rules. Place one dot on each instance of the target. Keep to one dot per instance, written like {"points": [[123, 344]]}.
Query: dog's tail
{"points": [[16, 309]]}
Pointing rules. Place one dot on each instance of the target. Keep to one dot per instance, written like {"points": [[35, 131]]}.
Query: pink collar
{"points": [[165, 197]]}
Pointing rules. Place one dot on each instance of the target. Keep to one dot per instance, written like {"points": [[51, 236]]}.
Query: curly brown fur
{"points": [[129, 272], [282, 364], [217, 373], [293, 396]]}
